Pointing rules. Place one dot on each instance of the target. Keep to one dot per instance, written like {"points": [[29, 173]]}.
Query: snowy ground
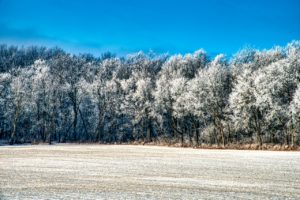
{"points": [[146, 172]]}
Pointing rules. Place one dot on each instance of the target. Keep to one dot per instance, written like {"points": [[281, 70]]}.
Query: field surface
{"points": [[146, 172]]}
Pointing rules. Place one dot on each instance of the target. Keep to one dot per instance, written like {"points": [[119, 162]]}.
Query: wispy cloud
{"points": [[7, 32], [31, 36]]}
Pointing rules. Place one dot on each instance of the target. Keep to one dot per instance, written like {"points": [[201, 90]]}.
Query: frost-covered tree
{"points": [[139, 98], [295, 116], [247, 115], [262, 93], [5, 99], [48, 95], [208, 96], [20, 103], [97, 96], [71, 70], [45, 95], [171, 86]]}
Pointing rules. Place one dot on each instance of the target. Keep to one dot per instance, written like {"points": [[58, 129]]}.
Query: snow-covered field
{"points": [[146, 172]]}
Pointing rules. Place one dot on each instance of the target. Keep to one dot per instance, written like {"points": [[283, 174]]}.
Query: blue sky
{"points": [[128, 26]]}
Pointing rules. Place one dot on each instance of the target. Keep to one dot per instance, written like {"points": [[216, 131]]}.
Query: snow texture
{"points": [[146, 172]]}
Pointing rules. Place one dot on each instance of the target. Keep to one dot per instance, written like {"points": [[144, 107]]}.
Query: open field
{"points": [[146, 172]]}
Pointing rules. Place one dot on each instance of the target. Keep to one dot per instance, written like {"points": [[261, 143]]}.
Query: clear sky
{"points": [[174, 26]]}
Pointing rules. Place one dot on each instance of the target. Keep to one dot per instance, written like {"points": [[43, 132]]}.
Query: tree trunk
{"points": [[13, 134], [258, 131], [229, 134], [272, 137], [174, 127], [149, 132], [99, 128], [190, 137], [99, 132], [258, 137], [222, 134], [292, 139], [83, 122], [197, 136], [287, 137], [52, 125], [182, 139], [16, 118], [292, 132], [75, 110]]}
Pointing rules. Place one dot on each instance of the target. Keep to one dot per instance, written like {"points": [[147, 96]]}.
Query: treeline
{"points": [[50, 95]]}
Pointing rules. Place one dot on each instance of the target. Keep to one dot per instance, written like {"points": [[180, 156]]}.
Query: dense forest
{"points": [[48, 95]]}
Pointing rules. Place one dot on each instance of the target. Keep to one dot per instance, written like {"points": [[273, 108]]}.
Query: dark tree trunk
{"points": [[13, 137], [149, 131]]}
